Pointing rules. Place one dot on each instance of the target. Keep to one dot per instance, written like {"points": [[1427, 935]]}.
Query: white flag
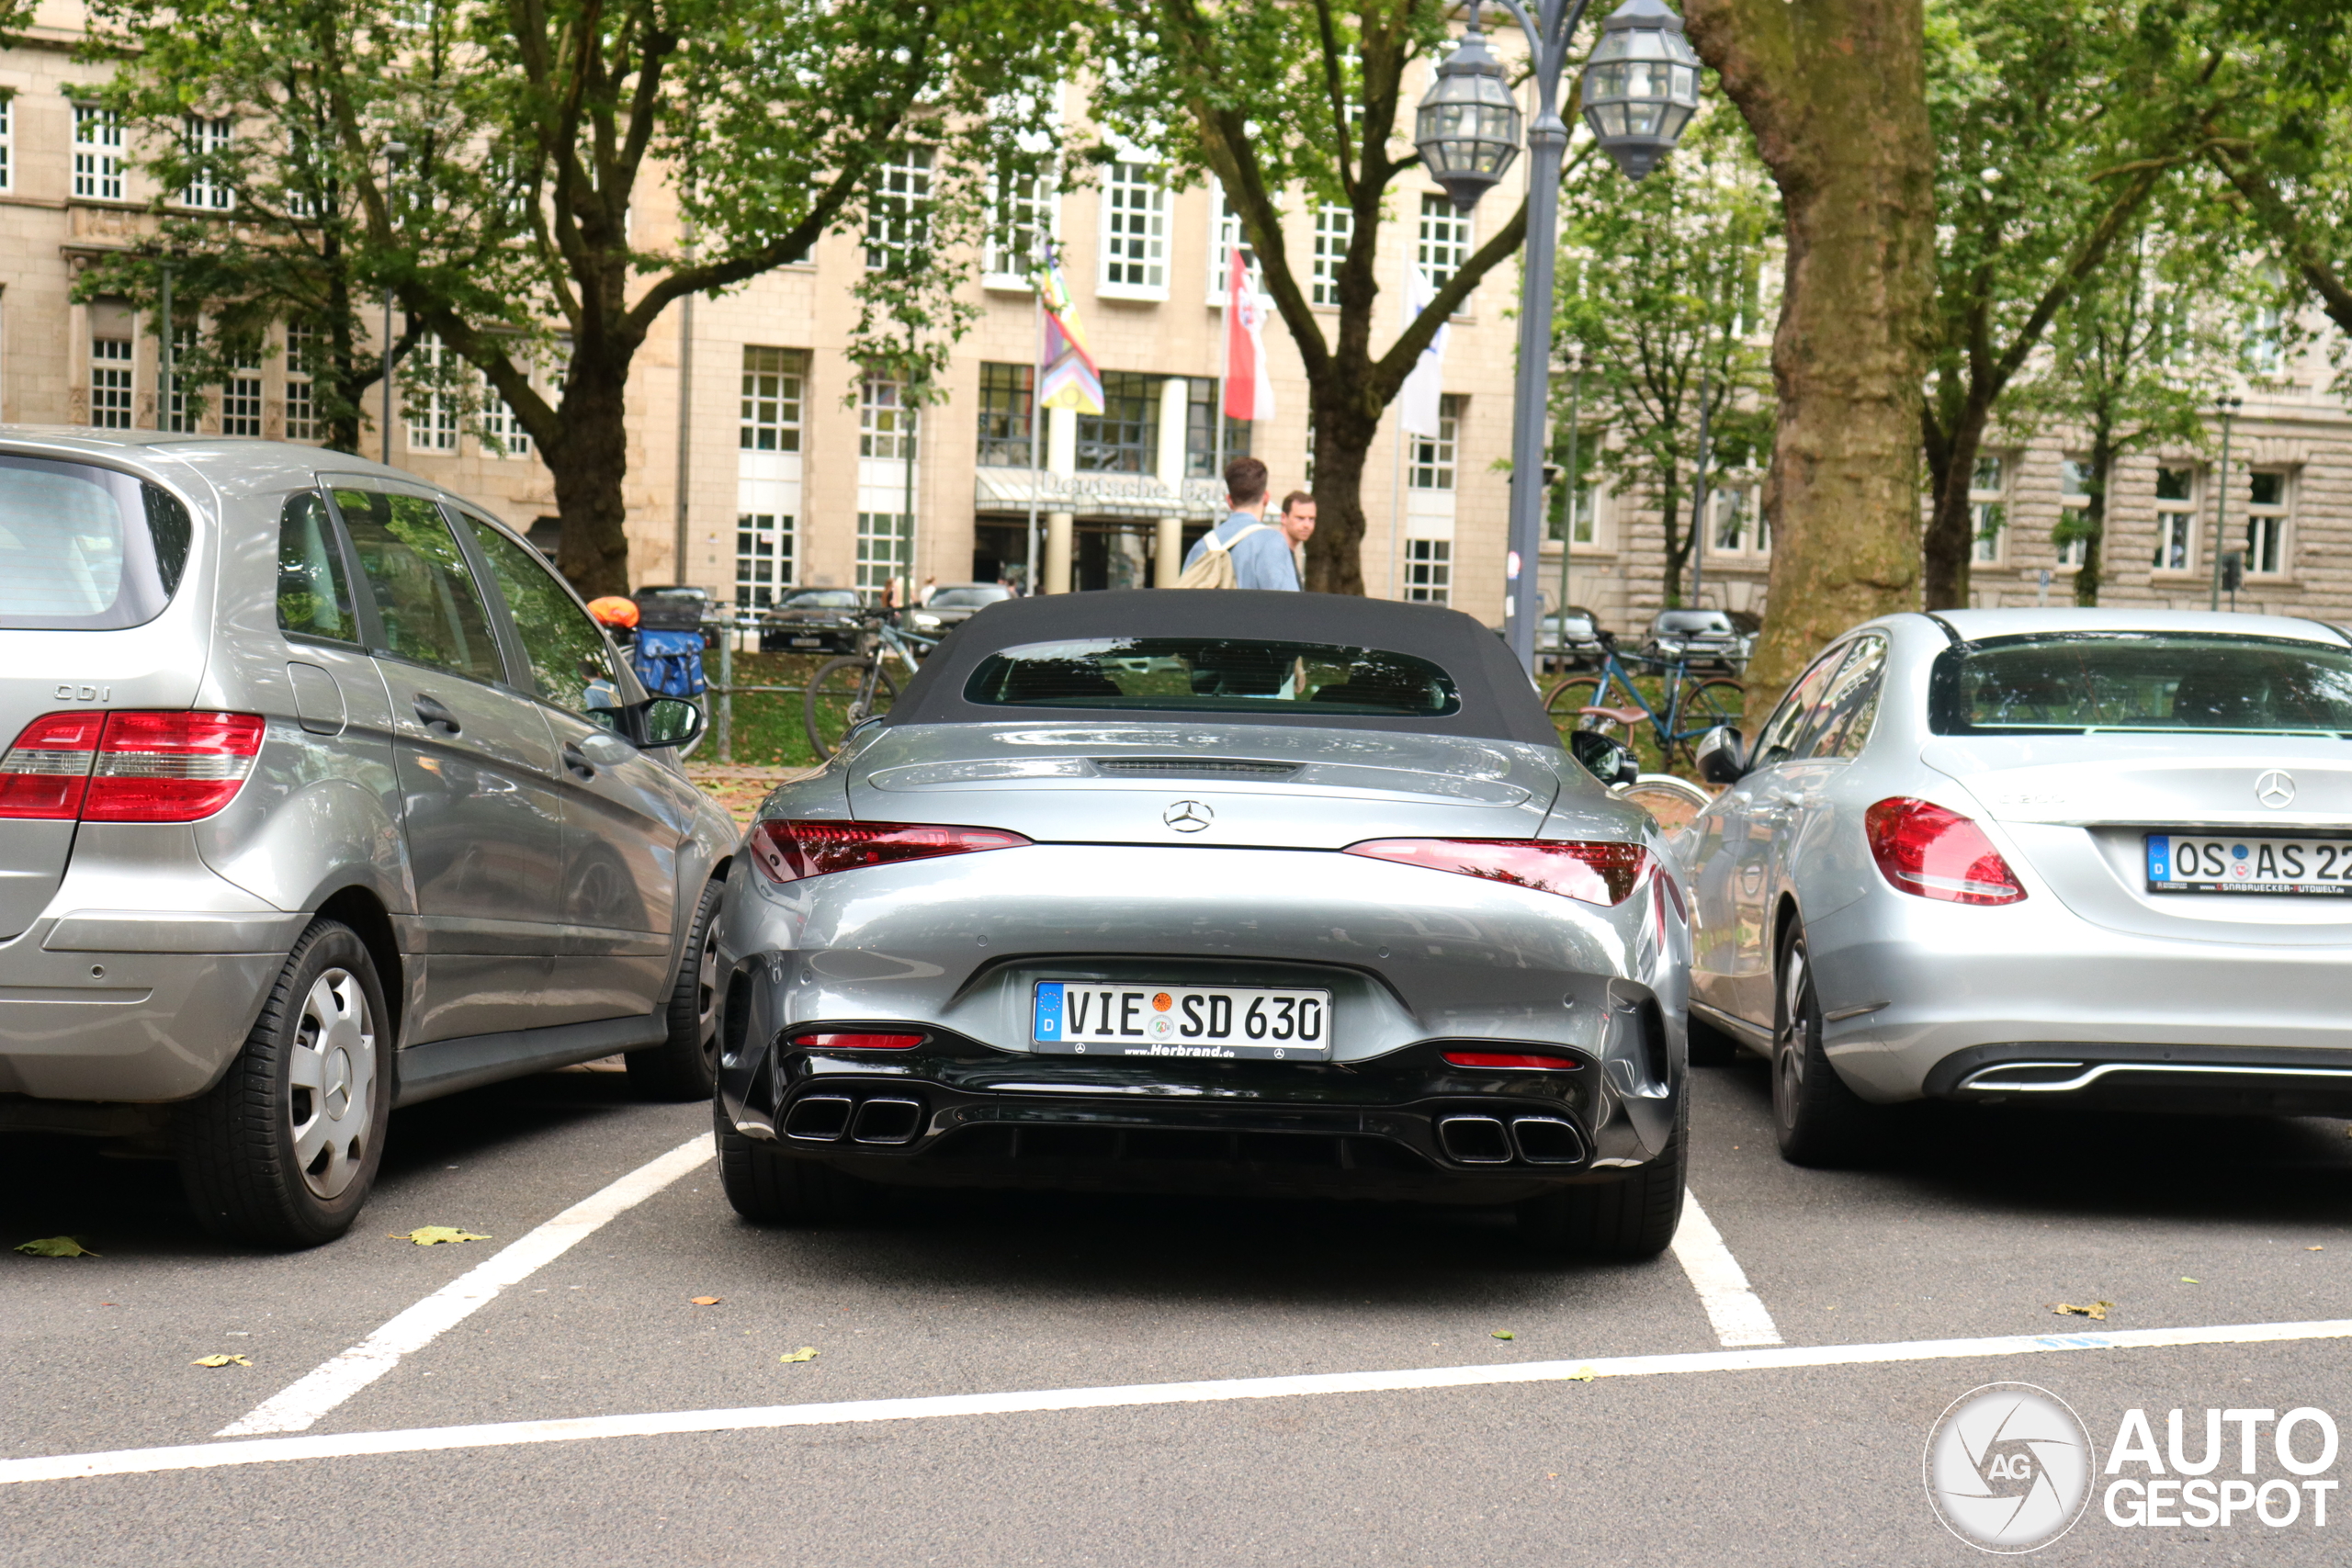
{"points": [[1416, 405]]}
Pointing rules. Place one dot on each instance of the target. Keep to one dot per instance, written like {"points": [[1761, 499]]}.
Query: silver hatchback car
{"points": [[325, 795], [2056, 856]]}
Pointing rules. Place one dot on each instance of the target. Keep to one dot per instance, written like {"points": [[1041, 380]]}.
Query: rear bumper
{"points": [[957, 1113], [2221, 1080]]}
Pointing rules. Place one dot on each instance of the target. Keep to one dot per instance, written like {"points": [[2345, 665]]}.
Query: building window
{"points": [[431, 412], [2266, 354], [1021, 224], [177, 416], [1008, 394], [1334, 227], [2073, 509], [1200, 439], [204, 137], [772, 388], [882, 541], [7, 141], [898, 224], [1740, 528], [1135, 230], [1445, 240], [1123, 438], [97, 152], [2266, 524], [763, 557], [886, 426], [1988, 511], [2175, 519], [501, 432], [241, 394], [1429, 570], [1430, 464], [1586, 503], [110, 385], [1225, 233], [302, 348]]}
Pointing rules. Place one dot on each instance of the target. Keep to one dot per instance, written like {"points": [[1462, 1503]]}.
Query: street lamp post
{"points": [[393, 153], [1641, 88], [2229, 405]]}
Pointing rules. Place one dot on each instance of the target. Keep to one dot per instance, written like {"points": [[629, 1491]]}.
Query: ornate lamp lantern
{"points": [[1641, 85], [1469, 124]]}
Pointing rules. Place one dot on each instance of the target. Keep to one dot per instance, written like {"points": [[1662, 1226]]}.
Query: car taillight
{"points": [[44, 773], [791, 851], [1593, 873], [1510, 1059], [839, 1042], [128, 766], [1935, 853]]}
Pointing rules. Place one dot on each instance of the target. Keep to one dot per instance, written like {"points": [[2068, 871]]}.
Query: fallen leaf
{"points": [[704, 1300], [2096, 1311], [55, 1247], [2315, 1249], [1504, 1334], [434, 1235], [806, 1353], [2187, 1280], [1583, 1374], [220, 1361]]}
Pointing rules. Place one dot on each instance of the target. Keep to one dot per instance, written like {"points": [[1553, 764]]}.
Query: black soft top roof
{"points": [[1498, 702]]}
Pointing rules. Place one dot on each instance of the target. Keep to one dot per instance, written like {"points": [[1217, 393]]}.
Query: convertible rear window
{"points": [[85, 548], [2080, 682], [1161, 675]]}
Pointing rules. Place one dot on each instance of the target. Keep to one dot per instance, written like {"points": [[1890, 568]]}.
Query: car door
{"points": [[625, 814], [1809, 799], [481, 808], [1754, 812]]}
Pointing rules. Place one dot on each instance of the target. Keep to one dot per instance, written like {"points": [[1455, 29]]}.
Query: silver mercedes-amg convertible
{"points": [[1224, 892]]}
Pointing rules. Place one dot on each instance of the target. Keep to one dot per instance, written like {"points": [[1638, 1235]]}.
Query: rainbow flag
{"points": [[1067, 378]]}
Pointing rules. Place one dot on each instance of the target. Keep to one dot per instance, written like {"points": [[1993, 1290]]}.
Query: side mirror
{"points": [[1722, 755], [669, 721], [1604, 757]]}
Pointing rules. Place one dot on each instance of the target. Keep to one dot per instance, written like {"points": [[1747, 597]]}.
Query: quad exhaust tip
{"points": [[887, 1122], [1474, 1140], [829, 1118], [1483, 1140]]}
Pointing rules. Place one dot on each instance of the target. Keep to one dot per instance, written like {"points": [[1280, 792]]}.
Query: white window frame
{"points": [[779, 533], [98, 154], [2177, 523], [114, 383], [431, 413], [1225, 232], [1433, 463], [2266, 533], [886, 427], [1335, 228], [898, 215], [1429, 571], [2073, 500], [240, 396], [1736, 513], [206, 134], [302, 386], [1988, 509], [175, 416], [774, 398], [876, 529], [1036, 213], [499, 423], [1443, 242], [1134, 230], [7, 140]]}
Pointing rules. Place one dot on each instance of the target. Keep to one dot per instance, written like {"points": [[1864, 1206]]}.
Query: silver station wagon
{"points": [[325, 795]]}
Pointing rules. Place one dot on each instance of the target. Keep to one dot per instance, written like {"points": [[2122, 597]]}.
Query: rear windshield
{"points": [[85, 548], [1693, 621], [1213, 675], [2142, 681]]}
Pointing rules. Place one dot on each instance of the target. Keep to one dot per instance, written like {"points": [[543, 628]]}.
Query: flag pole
{"points": [[1224, 371], [1036, 423]]}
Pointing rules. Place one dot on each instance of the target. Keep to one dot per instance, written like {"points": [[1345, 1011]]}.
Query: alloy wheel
{"points": [[332, 1083], [707, 998], [1792, 1049]]}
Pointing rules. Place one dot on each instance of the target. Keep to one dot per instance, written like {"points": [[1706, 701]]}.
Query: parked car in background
{"points": [[673, 609], [326, 796], [813, 620], [1699, 637], [1570, 639], [2051, 857], [951, 606], [1229, 891]]}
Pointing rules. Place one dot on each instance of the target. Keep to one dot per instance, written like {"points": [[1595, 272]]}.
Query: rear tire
{"points": [[1629, 1221], [772, 1189], [686, 1065], [1818, 1120], [282, 1152]]}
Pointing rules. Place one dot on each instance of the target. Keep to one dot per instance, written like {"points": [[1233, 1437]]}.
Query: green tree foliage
{"points": [[521, 229], [1658, 298], [1276, 96]]}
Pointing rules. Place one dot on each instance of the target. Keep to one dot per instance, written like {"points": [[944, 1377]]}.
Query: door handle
{"points": [[430, 714], [577, 760]]}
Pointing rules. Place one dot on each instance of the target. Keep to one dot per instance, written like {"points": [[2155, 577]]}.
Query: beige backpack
{"points": [[1215, 568]]}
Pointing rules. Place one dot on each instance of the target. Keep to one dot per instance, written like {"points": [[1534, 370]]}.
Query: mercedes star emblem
{"points": [[2275, 789], [1188, 817]]}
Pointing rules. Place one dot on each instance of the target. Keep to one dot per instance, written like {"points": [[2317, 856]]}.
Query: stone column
{"points": [[1168, 564], [1175, 398], [1061, 460]]}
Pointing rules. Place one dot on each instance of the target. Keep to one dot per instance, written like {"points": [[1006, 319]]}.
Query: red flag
{"points": [[1249, 392]]}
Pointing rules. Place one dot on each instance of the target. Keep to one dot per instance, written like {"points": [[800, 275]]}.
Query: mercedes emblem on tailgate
{"points": [[2275, 789], [1188, 817]]}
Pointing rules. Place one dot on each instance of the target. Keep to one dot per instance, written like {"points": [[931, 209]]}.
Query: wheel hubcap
{"points": [[1788, 1061], [332, 1078]]}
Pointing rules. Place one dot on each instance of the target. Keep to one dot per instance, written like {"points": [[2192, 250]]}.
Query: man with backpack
{"points": [[1243, 552]]}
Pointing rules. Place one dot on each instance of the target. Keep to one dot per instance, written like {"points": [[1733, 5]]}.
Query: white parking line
{"points": [[1733, 1307], [504, 1434], [295, 1407]]}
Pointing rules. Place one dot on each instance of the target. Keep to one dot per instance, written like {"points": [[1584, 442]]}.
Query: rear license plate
{"points": [[807, 641], [2207, 863], [1216, 1023]]}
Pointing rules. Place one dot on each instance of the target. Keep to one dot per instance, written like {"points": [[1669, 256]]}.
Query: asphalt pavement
{"points": [[538, 1421]]}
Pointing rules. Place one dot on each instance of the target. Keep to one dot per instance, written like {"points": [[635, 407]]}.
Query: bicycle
{"points": [[846, 691], [1691, 706]]}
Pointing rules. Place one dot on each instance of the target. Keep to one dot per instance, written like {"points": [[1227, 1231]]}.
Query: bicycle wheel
{"points": [[1672, 801], [1566, 701], [842, 694], [1705, 704]]}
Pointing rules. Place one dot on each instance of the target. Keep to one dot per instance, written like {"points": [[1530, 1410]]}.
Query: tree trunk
{"points": [[1342, 435], [1835, 92], [1949, 546], [1678, 549], [588, 466], [2094, 515]]}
